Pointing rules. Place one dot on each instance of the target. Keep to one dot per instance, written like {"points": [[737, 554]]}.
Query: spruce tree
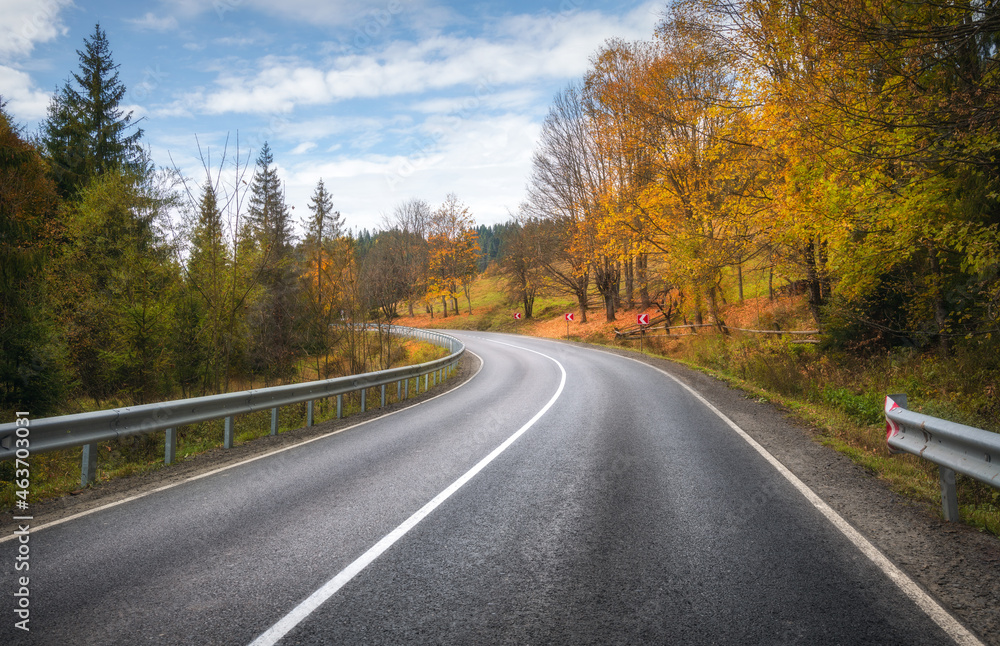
{"points": [[86, 132], [325, 224], [268, 213], [274, 318], [203, 322]]}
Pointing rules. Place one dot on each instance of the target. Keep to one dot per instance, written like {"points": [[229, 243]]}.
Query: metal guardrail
{"points": [[955, 448], [89, 429]]}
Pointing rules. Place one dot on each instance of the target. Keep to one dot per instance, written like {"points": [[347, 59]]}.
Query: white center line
{"points": [[273, 634]]}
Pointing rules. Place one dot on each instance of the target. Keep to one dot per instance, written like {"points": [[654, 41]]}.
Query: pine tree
{"points": [[268, 213], [209, 254], [274, 319], [86, 132], [325, 224], [202, 321]]}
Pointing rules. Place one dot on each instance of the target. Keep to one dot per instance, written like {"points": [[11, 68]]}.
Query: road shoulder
{"points": [[959, 565]]}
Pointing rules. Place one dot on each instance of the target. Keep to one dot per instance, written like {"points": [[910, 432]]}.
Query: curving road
{"points": [[564, 495]]}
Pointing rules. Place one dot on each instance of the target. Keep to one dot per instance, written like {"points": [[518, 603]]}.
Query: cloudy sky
{"points": [[383, 99]]}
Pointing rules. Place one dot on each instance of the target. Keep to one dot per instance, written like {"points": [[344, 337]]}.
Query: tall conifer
{"points": [[86, 132]]}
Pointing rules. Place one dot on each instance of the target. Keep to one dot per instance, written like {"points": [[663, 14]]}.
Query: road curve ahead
{"points": [[563, 496]]}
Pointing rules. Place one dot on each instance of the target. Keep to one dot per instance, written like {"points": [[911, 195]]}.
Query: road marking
{"points": [[109, 505], [273, 634], [959, 633]]}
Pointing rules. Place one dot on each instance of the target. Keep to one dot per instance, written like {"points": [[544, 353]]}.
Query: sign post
{"points": [[569, 317], [643, 322]]}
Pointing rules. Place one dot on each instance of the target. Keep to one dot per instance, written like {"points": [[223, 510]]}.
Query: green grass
{"points": [[842, 396]]}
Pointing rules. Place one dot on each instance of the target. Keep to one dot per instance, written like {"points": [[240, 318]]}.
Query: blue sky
{"points": [[384, 99]]}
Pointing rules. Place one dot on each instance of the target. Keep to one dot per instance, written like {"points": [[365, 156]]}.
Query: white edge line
{"points": [[273, 634], [109, 505], [959, 633]]}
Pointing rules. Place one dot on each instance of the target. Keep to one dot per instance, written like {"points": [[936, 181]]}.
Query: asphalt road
{"points": [[562, 496]]}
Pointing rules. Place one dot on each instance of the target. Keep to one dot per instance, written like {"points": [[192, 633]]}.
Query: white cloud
{"points": [[152, 22], [485, 160], [303, 148], [521, 49], [26, 24], [25, 102]]}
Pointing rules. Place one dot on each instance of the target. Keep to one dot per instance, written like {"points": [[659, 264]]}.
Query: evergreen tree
{"points": [[325, 223], [203, 321], [117, 287], [86, 132], [268, 213], [274, 318]]}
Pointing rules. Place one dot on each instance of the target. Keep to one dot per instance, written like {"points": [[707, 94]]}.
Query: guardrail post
{"points": [[426, 375], [274, 421], [383, 396], [399, 391], [340, 406], [364, 393], [88, 466], [309, 413], [949, 496], [227, 435], [170, 446], [406, 388]]}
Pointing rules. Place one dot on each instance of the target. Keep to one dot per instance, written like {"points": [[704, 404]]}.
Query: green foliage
{"points": [[32, 377], [86, 133], [274, 318], [116, 289]]}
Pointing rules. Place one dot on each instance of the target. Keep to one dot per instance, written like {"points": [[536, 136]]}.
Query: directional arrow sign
{"points": [[517, 315], [569, 316], [644, 319]]}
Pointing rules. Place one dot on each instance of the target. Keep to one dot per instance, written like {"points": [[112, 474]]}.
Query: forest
{"points": [[109, 297], [847, 147]]}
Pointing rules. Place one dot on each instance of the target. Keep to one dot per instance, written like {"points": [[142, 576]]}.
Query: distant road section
{"points": [[562, 496]]}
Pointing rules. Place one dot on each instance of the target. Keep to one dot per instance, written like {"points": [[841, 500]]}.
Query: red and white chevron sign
{"points": [[891, 427], [644, 319], [569, 316], [517, 315]]}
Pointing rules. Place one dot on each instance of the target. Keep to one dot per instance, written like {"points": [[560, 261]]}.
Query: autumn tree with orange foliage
{"points": [[453, 250]]}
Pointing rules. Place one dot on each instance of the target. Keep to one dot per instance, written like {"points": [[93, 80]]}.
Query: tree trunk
{"points": [[640, 267], [629, 285], [698, 320], [940, 311], [609, 307], [813, 283]]}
